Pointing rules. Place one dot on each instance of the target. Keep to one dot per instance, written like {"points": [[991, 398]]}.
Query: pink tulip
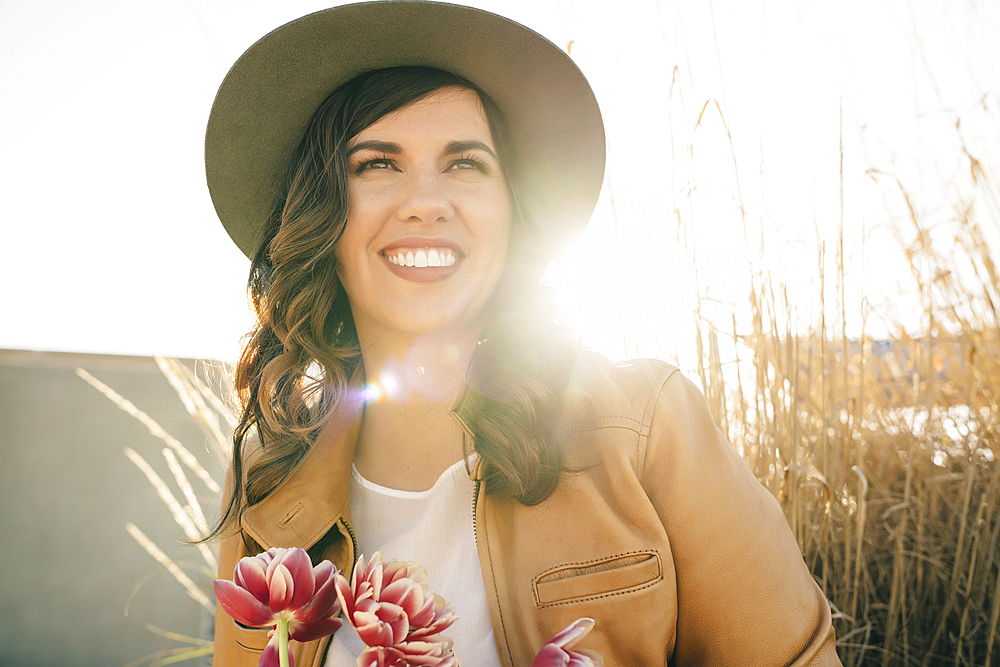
{"points": [[395, 615], [556, 651], [410, 654], [281, 588]]}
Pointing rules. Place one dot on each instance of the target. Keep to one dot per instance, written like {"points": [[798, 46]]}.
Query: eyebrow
{"points": [[452, 148], [463, 146], [380, 146]]}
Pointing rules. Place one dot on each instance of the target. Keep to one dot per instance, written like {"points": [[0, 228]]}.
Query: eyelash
{"points": [[478, 164], [368, 163]]}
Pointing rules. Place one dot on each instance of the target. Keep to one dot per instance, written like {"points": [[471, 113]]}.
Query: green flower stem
{"points": [[282, 631]]}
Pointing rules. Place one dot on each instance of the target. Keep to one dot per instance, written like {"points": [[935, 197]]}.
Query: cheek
{"points": [[493, 211], [373, 198], [502, 226], [350, 252]]}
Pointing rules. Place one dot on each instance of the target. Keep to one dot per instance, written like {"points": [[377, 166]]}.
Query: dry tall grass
{"points": [[884, 454], [202, 401]]}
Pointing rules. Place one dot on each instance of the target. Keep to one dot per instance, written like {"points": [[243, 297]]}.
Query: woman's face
{"points": [[429, 219]]}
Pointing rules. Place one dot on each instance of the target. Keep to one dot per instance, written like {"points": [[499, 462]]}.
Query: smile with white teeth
{"points": [[420, 257]]}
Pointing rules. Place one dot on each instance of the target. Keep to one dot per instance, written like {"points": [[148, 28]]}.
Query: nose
{"points": [[426, 199]]}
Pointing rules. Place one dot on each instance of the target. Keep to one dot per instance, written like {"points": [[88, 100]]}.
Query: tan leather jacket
{"points": [[669, 541]]}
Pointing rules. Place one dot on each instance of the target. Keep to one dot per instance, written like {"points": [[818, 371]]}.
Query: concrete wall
{"points": [[67, 491]]}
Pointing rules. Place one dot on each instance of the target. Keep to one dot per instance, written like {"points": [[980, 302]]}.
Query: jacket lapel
{"points": [[315, 495]]}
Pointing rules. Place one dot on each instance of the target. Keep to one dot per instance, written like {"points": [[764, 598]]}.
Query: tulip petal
{"points": [[270, 658], [242, 605], [395, 617], [303, 581], [280, 586], [251, 574], [407, 594], [404, 568], [439, 625], [356, 573], [374, 575], [345, 594], [371, 657], [325, 603], [421, 660], [556, 654], [380, 656], [323, 572], [572, 633], [551, 656], [425, 615], [372, 631], [585, 658], [272, 557], [307, 632], [424, 652]]}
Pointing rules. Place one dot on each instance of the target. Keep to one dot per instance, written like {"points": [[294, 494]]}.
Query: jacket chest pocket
{"points": [[604, 577], [250, 643]]}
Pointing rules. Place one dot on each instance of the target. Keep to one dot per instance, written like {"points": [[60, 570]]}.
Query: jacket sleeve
{"points": [[744, 594]]}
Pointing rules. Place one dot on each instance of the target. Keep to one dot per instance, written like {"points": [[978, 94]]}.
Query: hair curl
{"points": [[518, 379]]}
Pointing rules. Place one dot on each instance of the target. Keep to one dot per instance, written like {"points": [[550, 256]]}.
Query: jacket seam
{"points": [[647, 417], [594, 426], [650, 552]]}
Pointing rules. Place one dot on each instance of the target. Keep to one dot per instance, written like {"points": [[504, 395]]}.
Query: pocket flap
{"points": [[613, 575], [250, 643]]}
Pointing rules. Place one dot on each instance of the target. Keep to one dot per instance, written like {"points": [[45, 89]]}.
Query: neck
{"points": [[420, 370], [408, 436]]}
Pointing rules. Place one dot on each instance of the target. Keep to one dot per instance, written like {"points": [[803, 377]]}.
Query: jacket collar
{"points": [[315, 495]]}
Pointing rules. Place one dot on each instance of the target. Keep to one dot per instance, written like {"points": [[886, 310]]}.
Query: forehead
{"points": [[446, 114]]}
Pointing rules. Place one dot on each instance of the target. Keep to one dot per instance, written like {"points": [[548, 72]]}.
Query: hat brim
{"points": [[268, 97]]}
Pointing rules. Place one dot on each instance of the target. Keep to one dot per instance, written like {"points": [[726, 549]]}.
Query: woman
{"points": [[404, 390]]}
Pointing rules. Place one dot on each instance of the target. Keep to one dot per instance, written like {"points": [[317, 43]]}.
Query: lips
{"points": [[423, 259]]}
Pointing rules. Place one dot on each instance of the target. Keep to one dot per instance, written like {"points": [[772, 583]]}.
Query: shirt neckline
{"points": [[399, 493]]}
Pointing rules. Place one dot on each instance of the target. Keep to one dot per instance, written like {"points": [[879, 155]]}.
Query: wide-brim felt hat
{"points": [[266, 101]]}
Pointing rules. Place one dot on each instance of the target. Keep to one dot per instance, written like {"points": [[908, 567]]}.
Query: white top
{"points": [[434, 529]]}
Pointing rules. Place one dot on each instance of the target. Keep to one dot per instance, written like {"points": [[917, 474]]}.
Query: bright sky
{"points": [[112, 245]]}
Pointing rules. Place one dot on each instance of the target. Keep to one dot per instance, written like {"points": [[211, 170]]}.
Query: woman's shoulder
{"points": [[627, 392]]}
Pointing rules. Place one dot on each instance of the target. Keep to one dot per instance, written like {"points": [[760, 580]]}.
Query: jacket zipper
{"points": [[354, 544], [475, 503]]}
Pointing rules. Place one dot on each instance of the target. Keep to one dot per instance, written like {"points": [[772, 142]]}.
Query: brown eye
{"points": [[470, 163], [376, 164]]}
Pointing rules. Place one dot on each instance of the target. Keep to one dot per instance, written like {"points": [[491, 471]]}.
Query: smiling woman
{"points": [[405, 368], [424, 184]]}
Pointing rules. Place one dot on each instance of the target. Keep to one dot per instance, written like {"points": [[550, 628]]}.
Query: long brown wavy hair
{"points": [[517, 378]]}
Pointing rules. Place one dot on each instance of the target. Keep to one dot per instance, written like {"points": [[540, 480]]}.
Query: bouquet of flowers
{"points": [[387, 602]]}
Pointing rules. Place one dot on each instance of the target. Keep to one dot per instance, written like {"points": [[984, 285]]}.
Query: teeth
{"points": [[422, 257]]}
